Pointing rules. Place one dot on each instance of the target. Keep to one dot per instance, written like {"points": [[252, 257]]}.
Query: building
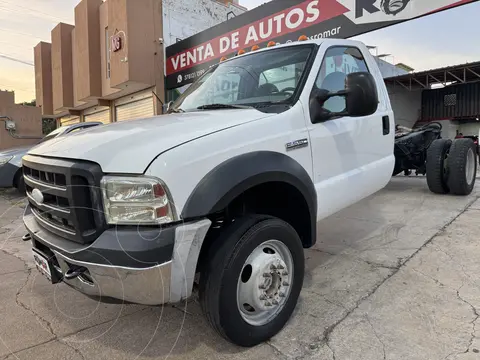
{"points": [[123, 59], [27, 119], [109, 65], [448, 95]]}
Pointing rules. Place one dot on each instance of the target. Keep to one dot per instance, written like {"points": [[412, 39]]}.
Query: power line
{"points": [[33, 12], [3, 56], [20, 33]]}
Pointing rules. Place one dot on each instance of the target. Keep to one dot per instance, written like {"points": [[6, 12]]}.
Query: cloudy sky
{"points": [[451, 37]]}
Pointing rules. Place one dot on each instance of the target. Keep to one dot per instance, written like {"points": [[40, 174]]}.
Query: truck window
{"points": [[265, 77], [337, 64]]}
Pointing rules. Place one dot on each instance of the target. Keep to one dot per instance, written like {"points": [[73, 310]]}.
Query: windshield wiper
{"points": [[172, 110], [270, 103], [222, 106]]}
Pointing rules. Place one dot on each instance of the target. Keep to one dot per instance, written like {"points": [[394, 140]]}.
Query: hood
{"points": [[129, 146], [21, 150]]}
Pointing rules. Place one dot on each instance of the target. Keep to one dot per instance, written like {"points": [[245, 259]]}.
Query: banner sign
{"points": [[284, 21]]}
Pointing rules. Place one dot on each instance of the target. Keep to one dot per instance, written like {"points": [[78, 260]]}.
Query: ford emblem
{"points": [[37, 196]]}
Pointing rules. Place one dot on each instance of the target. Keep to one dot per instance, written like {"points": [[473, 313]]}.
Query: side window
{"points": [[337, 64]]}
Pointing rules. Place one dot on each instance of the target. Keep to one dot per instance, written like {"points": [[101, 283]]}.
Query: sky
{"points": [[447, 38]]}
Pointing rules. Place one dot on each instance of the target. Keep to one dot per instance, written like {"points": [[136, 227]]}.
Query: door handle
{"points": [[386, 125]]}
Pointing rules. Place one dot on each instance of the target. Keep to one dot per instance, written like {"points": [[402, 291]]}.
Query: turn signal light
{"points": [[241, 52], [271, 43], [255, 47], [303, 38], [223, 58]]}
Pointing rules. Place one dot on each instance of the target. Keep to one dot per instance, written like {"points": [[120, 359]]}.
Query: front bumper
{"points": [[138, 265], [7, 174]]}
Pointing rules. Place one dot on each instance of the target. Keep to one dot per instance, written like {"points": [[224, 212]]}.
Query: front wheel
{"points": [[253, 279]]}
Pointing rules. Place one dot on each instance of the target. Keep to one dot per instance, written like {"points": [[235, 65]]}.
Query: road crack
{"points": [[473, 322], [329, 330], [77, 351], [378, 337], [46, 324], [276, 350]]}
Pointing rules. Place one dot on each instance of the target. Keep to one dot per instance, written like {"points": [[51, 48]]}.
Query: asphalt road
{"points": [[396, 276]]}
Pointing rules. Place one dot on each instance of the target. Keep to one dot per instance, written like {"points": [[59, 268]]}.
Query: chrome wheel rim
{"points": [[265, 282], [470, 167]]}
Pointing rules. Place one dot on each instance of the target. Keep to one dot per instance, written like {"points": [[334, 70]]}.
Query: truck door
{"points": [[352, 156]]}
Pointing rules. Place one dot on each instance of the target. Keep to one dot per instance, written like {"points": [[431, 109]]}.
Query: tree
{"points": [[48, 125], [31, 103]]}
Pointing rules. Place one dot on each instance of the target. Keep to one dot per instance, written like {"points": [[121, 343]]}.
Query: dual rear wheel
{"points": [[451, 166]]}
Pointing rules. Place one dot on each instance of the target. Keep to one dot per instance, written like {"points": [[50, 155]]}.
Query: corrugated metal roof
{"points": [[455, 74]]}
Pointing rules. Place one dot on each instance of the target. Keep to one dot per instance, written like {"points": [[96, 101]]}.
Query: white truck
{"points": [[223, 193]]}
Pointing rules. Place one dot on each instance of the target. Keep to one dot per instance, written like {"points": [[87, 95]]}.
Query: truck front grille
{"points": [[65, 196]]}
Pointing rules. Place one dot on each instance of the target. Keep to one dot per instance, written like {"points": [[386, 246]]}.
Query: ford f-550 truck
{"points": [[224, 192]]}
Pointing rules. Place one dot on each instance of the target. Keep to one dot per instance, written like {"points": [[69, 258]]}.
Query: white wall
{"points": [[389, 70], [184, 18], [469, 128], [406, 105], [449, 129]]}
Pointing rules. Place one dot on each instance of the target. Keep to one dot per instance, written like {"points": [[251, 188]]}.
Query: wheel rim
{"points": [[470, 167], [265, 282]]}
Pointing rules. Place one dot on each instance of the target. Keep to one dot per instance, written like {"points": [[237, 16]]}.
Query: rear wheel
{"points": [[251, 284], [462, 167], [436, 166]]}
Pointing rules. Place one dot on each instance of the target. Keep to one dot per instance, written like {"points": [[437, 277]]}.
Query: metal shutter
{"points": [[141, 106], [102, 116], [69, 120]]}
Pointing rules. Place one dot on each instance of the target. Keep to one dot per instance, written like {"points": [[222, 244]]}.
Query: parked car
{"points": [[224, 191], [11, 159]]}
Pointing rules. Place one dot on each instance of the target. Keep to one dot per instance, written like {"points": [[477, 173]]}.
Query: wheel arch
{"points": [[234, 177]]}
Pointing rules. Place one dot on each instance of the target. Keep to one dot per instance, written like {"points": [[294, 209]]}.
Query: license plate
{"points": [[42, 264]]}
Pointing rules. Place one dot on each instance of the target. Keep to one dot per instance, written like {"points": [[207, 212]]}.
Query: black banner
{"points": [[284, 21]]}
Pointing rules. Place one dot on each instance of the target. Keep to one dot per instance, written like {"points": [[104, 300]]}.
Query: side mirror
{"points": [[361, 98], [362, 95]]}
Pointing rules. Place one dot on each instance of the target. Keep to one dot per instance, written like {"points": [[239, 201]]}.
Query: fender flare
{"points": [[234, 176]]}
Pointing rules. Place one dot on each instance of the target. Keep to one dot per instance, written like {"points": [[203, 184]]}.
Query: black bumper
{"points": [[131, 247]]}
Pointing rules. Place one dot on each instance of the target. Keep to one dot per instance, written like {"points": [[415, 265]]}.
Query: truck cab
{"points": [[223, 193]]}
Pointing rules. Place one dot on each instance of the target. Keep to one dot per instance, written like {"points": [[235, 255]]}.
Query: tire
{"points": [[462, 167], [19, 182], [226, 273], [437, 171]]}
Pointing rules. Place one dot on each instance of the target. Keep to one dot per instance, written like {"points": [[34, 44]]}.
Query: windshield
{"points": [[268, 77]]}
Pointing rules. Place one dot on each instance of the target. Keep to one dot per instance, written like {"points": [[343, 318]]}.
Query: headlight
{"points": [[136, 200], [5, 159]]}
